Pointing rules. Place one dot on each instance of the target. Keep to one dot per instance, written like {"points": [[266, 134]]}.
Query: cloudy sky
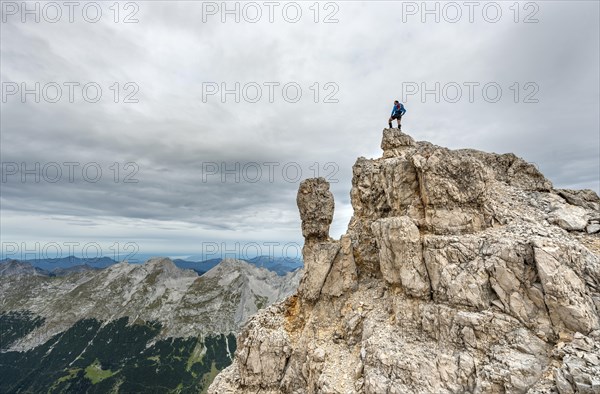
{"points": [[133, 143]]}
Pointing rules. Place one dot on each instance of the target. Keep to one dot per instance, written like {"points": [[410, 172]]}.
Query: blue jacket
{"points": [[398, 109]]}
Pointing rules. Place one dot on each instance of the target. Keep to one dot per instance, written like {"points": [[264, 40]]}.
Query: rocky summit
{"points": [[460, 272]]}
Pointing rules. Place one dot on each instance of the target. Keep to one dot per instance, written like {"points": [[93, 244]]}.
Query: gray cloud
{"points": [[174, 137]]}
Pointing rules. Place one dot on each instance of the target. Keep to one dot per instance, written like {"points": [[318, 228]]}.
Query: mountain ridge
{"points": [[128, 327], [154, 291], [65, 265], [461, 271]]}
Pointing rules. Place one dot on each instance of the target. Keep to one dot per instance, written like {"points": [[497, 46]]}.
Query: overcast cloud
{"points": [[174, 200]]}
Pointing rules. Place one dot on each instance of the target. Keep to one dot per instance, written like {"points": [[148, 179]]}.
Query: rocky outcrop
{"points": [[581, 198], [461, 271], [329, 264], [315, 203], [401, 255]]}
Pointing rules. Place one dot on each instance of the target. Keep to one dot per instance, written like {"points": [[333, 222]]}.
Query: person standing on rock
{"points": [[397, 113]]}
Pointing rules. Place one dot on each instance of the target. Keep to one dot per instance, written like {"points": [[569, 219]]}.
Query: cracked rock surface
{"points": [[460, 272]]}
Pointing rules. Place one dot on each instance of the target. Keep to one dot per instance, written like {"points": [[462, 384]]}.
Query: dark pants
{"points": [[397, 117]]}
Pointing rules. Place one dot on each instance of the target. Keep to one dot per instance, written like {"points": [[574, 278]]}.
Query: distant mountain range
{"points": [[49, 265], [66, 265], [127, 327]]}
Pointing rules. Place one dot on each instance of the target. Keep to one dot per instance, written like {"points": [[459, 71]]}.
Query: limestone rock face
{"points": [[394, 140], [401, 255], [342, 275], [582, 198], [570, 217], [316, 205], [460, 272], [319, 257]]}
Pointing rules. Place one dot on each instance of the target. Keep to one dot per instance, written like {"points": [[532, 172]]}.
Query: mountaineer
{"points": [[397, 113]]}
